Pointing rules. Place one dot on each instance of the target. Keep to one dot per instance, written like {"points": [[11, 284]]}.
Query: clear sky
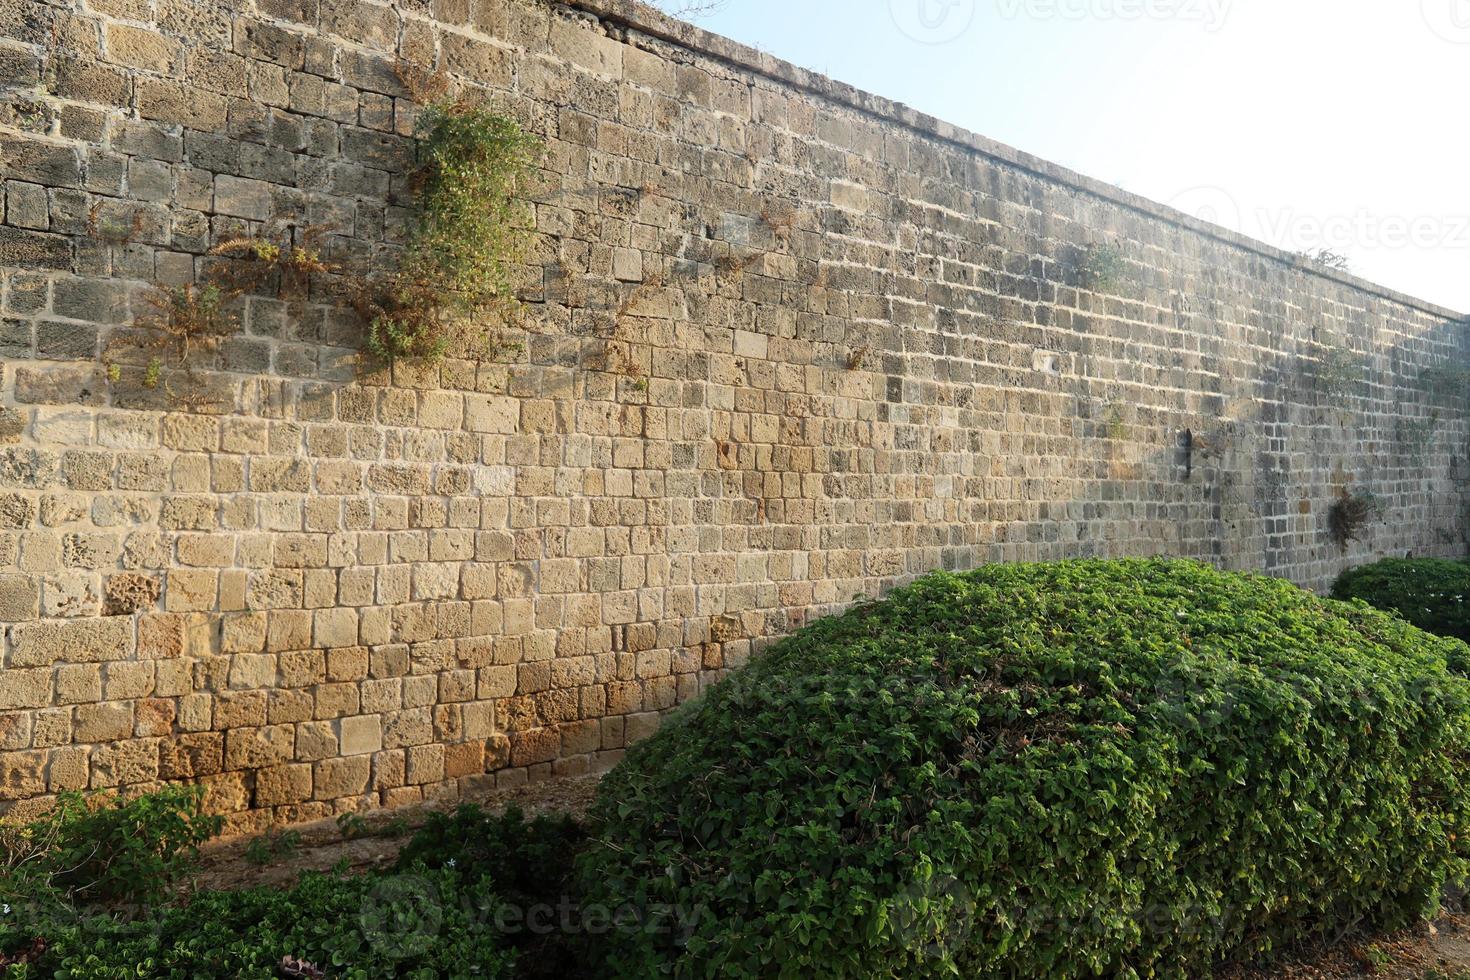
{"points": [[1338, 124]]}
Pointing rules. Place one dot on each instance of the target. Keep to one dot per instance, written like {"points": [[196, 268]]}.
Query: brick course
{"points": [[784, 344]]}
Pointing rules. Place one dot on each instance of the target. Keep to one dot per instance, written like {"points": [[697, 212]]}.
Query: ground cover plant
{"points": [[88, 896], [1133, 768], [1431, 593]]}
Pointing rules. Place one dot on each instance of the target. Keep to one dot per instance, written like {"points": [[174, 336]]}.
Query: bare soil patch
{"points": [[322, 846]]}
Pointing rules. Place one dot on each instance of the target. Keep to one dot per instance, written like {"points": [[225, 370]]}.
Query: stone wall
{"points": [[784, 344]]}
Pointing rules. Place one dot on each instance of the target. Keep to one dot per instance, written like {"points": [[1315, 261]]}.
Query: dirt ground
{"points": [[224, 864], [1437, 951]]}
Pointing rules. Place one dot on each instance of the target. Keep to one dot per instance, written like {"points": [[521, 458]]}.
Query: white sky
{"points": [[1305, 123]]}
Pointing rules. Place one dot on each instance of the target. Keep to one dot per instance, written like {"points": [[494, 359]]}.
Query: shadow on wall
{"points": [[1246, 473]]}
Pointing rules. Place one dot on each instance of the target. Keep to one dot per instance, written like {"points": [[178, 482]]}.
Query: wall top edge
{"points": [[641, 17]]}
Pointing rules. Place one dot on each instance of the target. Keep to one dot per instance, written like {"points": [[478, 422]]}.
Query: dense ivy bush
{"points": [[1133, 768], [1431, 593]]}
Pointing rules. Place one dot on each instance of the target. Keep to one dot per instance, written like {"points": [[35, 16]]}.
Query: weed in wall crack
{"points": [[1337, 371], [780, 218], [1102, 268]]}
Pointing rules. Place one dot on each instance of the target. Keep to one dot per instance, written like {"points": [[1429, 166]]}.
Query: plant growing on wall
{"points": [[457, 270], [196, 318], [1338, 371], [1446, 384], [184, 321], [296, 257], [1326, 258], [1350, 513], [1414, 436], [455, 275], [1102, 267]]}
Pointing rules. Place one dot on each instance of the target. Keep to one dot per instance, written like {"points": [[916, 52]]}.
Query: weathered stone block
{"points": [[71, 595], [78, 683], [82, 641], [361, 734], [68, 769], [139, 48], [337, 778], [34, 249], [125, 763], [16, 728], [180, 105], [190, 756], [191, 590], [534, 746], [19, 597], [22, 774], [242, 197], [103, 722], [258, 748], [280, 785]]}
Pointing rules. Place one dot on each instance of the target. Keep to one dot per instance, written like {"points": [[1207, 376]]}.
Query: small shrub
{"points": [[457, 270], [1338, 372], [1326, 258], [531, 862], [1431, 593], [458, 903], [1102, 268], [185, 321], [1078, 769], [273, 846], [294, 258], [352, 825], [527, 858], [113, 850], [1350, 513]]}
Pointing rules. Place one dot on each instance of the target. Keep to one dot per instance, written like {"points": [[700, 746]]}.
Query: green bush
{"points": [[471, 228], [529, 860], [111, 849], [1431, 593], [1133, 768], [420, 924], [456, 904], [533, 866]]}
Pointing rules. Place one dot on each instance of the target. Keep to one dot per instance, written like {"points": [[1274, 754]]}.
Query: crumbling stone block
{"points": [[130, 592]]}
